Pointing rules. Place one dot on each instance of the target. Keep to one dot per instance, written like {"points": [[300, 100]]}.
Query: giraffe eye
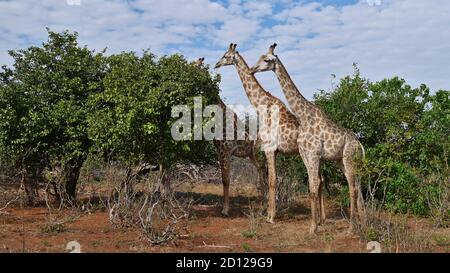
{"points": [[267, 61]]}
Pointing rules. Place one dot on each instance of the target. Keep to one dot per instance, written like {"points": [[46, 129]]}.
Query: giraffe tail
{"points": [[362, 150]]}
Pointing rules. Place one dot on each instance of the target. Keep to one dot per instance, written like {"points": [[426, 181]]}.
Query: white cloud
{"points": [[406, 38], [257, 9], [238, 30], [399, 38]]}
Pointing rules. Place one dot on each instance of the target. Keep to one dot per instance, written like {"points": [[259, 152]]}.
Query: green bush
{"points": [[43, 109], [61, 102], [396, 185], [405, 134], [131, 121]]}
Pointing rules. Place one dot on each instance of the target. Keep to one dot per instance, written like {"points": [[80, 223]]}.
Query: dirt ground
{"points": [[22, 230]]}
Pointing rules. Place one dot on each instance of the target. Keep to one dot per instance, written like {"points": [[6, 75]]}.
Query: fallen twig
{"points": [[215, 246]]}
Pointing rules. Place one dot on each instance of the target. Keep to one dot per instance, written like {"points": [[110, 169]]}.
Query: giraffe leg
{"points": [[349, 175], [322, 204], [313, 167], [350, 154], [316, 183], [270, 157], [261, 185], [225, 170], [357, 210]]}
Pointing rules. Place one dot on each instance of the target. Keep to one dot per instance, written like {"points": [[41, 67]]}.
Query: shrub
{"points": [[405, 134], [131, 120], [43, 111]]}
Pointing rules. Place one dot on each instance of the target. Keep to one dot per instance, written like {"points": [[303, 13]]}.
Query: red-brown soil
{"points": [[21, 230]]}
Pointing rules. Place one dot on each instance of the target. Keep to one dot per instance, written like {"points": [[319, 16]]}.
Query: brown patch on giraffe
{"points": [[292, 135]]}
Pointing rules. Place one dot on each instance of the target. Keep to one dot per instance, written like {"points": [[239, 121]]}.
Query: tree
{"points": [[381, 112], [432, 143], [43, 113], [131, 120], [404, 131]]}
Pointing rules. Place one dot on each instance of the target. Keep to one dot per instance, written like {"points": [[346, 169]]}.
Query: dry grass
{"points": [[255, 215], [395, 233], [439, 203], [151, 208]]}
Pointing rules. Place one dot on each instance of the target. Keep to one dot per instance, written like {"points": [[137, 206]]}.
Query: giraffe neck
{"points": [[255, 92], [298, 104], [222, 105]]}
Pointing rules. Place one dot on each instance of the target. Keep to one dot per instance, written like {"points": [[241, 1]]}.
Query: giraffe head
{"points": [[266, 62], [199, 62], [228, 58]]}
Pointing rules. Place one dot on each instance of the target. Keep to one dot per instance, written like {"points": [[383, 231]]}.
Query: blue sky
{"points": [[406, 38]]}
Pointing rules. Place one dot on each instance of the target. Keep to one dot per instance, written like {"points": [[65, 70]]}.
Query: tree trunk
{"points": [[165, 187], [70, 177], [127, 185], [31, 189]]}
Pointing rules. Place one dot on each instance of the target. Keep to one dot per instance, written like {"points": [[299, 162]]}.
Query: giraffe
{"points": [[226, 148], [272, 110], [320, 139], [199, 62]]}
